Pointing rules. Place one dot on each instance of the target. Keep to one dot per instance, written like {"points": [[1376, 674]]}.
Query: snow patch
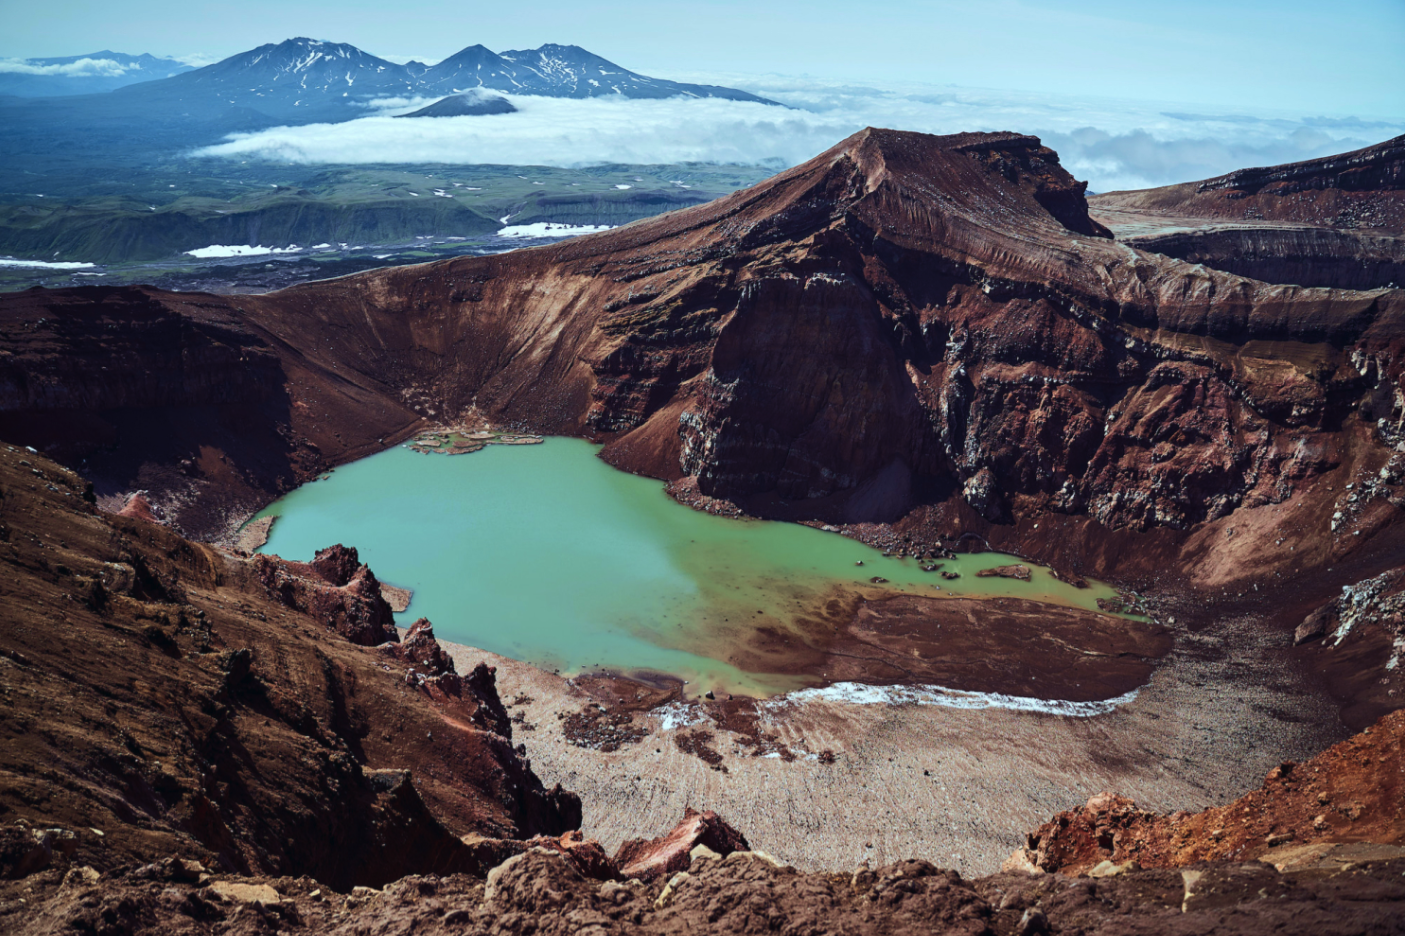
{"points": [[222, 250], [679, 715], [548, 229], [44, 265], [859, 694]]}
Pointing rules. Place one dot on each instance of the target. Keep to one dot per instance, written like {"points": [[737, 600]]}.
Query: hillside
{"points": [[1334, 222], [908, 336], [203, 742], [1362, 190]]}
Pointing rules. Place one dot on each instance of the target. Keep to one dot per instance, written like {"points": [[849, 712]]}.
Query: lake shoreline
{"points": [[546, 553], [817, 781]]}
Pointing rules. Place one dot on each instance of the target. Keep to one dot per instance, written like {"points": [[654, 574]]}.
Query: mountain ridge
{"points": [[305, 80], [94, 72]]}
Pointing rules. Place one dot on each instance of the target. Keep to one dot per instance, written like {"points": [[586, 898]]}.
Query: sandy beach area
{"points": [[957, 786]]}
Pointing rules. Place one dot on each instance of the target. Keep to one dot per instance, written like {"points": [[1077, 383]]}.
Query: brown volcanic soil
{"points": [[540, 892], [161, 700], [1007, 645], [903, 321], [1336, 221], [1353, 792], [913, 336], [191, 746]]}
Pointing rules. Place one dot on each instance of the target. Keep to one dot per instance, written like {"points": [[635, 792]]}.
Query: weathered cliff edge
{"points": [[1336, 221], [197, 741], [1363, 190], [1304, 814]]}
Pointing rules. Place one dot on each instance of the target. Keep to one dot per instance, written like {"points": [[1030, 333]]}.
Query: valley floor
{"points": [[960, 788]]}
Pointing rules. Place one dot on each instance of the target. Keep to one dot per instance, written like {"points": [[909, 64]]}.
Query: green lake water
{"points": [[546, 554]]}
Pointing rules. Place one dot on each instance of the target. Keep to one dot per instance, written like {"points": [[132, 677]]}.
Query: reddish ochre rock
{"points": [[139, 508], [586, 855], [209, 720], [1363, 190], [901, 319], [337, 589], [1352, 792], [660, 857], [244, 766], [925, 339]]}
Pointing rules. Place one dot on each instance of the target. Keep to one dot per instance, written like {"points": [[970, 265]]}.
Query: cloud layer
{"points": [[83, 68], [1113, 144]]}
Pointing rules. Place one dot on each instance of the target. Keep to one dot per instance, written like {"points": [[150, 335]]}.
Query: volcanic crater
{"points": [[925, 343]]}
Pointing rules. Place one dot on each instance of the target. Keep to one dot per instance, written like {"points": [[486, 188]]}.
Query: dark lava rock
{"points": [[465, 105]]}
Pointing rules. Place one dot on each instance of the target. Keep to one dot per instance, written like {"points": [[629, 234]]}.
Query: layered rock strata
{"points": [[1362, 190], [1338, 221], [188, 750], [907, 336]]}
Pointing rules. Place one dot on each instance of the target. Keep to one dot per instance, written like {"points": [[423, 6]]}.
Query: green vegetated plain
{"points": [[152, 216]]}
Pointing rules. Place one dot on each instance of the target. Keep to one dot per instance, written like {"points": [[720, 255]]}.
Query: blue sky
{"points": [[1290, 56]]}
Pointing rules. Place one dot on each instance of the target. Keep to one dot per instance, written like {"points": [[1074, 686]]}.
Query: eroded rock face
{"points": [[1332, 222], [1352, 792], [541, 892], [205, 718], [335, 588], [1300, 255], [903, 320], [1361, 190], [661, 857], [180, 397]]}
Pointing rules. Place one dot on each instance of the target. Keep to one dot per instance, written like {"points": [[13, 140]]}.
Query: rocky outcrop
{"points": [[1361, 190], [335, 588], [177, 396], [161, 701], [422, 650], [185, 753], [139, 508], [542, 892], [1301, 255], [662, 857], [903, 320], [1352, 792], [1332, 222], [1358, 640]]}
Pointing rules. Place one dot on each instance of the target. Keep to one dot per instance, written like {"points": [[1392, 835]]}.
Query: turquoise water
{"points": [[544, 553]]}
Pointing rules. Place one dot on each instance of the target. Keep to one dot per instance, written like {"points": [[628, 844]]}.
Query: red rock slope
{"points": [[1354, 792], [903, 319], [1362, 190], [164, 698]]}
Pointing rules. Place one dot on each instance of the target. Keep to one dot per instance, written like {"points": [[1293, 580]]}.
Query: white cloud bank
{"points": [[83, 68], [1113, 144]]}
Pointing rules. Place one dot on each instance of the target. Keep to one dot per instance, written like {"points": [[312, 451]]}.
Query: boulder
{"points": [[649, 860]]}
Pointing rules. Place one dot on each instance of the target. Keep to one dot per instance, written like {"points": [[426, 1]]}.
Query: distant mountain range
{"points": [[134, 141], [93, 73], [307, 80]]}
